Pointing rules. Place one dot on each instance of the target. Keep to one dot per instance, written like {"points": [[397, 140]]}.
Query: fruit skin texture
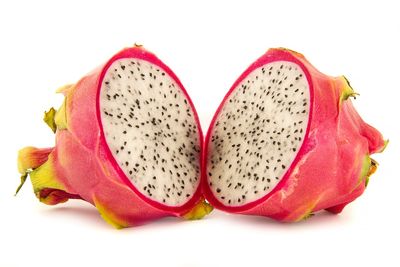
{"points": [[333, 164], [81, 165]]}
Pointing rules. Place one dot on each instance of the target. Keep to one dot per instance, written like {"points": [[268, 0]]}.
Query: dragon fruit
{"points": [[128, 140], [286, 142]]}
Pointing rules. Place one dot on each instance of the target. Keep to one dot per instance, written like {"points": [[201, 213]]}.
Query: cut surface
{"points": [[258, 133], [151, 130]]}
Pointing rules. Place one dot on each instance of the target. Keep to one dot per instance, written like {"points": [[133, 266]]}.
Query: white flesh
{"points": [[258, 133], [151, 131]]}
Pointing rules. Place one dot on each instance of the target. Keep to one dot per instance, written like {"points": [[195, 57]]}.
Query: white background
{"points": [[207, 44]]}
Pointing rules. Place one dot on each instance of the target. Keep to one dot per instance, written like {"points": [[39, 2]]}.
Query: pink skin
{"points": [[325, 174], [83, 163]]}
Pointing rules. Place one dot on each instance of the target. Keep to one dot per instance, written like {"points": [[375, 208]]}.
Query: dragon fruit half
{"points": [[128, 140], [286, 141]]}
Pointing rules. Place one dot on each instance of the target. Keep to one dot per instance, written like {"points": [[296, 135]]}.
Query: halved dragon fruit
{"points": [[128, 140], [286, 141]]}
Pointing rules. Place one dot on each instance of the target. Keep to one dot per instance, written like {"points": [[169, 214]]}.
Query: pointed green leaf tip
{"points": [[23, 179], [199, 211], [372, 169], [385, 144], [348, 91], [60, 118], [369, 167], [49, 119]]}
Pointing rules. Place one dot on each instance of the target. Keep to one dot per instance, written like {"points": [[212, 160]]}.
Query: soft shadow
{"points": [[162, 223], [84, 213], [322, 218], [80, 212]]}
